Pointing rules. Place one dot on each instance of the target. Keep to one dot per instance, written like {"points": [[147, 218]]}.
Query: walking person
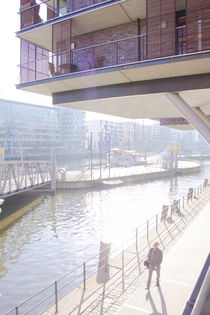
{"points": [[155, 257]]}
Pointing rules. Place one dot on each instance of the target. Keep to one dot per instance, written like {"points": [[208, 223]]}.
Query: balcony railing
{"points": [[119, 52], [107, 54], [45, 10]]}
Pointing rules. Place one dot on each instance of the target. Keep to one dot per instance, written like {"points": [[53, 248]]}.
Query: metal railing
{"points": [[45, 10], [111, 53], [124, 51], [114, 270]]}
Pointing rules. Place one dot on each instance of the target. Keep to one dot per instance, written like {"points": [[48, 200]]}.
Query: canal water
{"points": [[66, 229]]}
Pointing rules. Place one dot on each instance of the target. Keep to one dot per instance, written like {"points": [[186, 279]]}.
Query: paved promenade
{"points": [[181, 267], [116, 172], [185, 238]]}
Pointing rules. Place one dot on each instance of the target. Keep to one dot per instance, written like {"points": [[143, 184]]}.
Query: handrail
{"points": [[79, 49], [52, 65], [93, 269], [110, 42]]}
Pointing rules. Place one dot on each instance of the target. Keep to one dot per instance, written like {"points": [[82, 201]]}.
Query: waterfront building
{"points": [[72, 126], [28, 130], [120, 57], [32, 130], [132, 135]]}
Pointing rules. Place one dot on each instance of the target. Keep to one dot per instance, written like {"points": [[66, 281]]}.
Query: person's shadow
{"points": [[152, 303]]}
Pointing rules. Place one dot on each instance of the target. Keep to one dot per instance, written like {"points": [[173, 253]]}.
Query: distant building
{"points": [[106, 132], [72, 125], [28, 130]]}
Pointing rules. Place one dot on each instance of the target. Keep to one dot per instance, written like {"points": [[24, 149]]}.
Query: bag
{"points": [[146, 263]]}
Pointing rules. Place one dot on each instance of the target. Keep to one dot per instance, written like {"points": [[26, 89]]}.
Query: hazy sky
{"points": [[9, 60], [9, 57]]}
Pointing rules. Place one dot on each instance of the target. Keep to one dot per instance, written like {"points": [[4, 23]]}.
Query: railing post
{"points": [[137, 240], [84, 275], [56, 297], [16, 310], [148, 231], [156, 223], [10, 174], [171, 212], [123, 272], [117, 52]]}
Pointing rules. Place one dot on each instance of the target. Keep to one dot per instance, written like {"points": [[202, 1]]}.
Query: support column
{"points": [[190, 114], [204, 117]]}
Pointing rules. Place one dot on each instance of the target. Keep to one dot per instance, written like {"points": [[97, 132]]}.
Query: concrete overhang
{"points": [[133, 91]]}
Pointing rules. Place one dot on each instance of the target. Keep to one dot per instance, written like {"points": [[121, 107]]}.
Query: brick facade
{"points": [[160, 28], [198, 25], [107, 53], [122, 44]]}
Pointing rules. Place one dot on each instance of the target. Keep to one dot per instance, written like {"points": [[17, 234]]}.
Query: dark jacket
{"points": [[155, 257]]}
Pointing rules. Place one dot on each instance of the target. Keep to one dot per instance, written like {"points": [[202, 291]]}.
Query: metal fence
{"points": [[114, 270]]}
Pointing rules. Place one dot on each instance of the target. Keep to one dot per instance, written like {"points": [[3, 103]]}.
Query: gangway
{"points": [[20, 176]]}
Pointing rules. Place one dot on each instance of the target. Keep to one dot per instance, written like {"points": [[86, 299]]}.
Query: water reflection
{"points": [[66, 229]]}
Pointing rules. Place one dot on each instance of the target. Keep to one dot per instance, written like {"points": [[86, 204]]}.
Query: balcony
{"points": [[113, 53], [40, 11], [126, 51]]}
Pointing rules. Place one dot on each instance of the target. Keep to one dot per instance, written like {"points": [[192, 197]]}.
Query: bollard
{"points": [[56, 297], [183, 201], [123, 278], [84, 276], [16, 311]]}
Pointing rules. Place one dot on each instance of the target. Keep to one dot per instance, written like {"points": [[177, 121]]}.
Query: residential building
{"points": [[130, 58]]}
